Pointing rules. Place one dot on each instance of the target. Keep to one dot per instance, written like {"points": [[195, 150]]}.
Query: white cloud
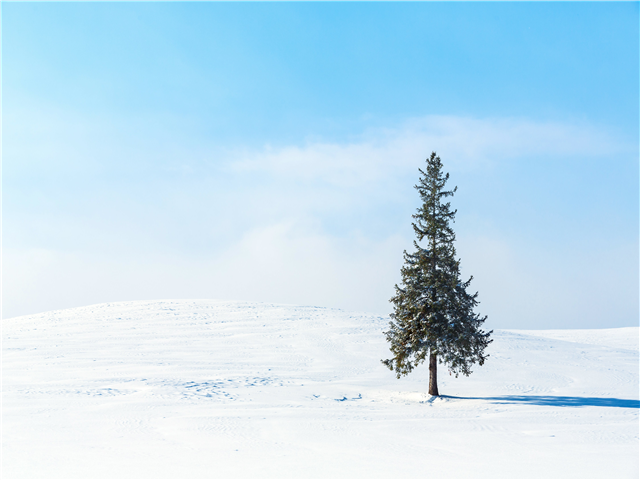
{"points": [[286, 262], [320, 223], [572, 286], [464, 143]]}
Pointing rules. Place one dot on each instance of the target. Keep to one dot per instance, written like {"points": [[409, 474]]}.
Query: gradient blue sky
{"points": [[267, 151]]}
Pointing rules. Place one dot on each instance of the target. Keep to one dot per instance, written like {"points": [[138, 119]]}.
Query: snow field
{"points": [[212, 389]]}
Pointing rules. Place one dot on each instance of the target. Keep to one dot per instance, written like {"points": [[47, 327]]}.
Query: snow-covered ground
{"points": [[208, 389]]}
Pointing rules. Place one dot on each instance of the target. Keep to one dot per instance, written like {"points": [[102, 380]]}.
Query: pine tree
{"points": [[433, 313]]}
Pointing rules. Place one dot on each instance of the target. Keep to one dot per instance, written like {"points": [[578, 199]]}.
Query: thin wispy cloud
{"points": [[321, 222], [464, 142]]}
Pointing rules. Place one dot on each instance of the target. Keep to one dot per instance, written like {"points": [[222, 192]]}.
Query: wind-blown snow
{"points": [[206, 389]]}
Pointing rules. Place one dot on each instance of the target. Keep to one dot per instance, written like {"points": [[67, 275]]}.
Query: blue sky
{"points": [[267, 151]]}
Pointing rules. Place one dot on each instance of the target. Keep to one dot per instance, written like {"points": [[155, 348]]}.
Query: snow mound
{"points": [[609, 337], [203, 388]]}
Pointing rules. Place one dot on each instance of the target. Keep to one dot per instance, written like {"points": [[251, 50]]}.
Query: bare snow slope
{"points": [[209, 389]]}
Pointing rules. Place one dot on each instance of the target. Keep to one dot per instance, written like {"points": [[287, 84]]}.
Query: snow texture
{"points": [[213, 389]]}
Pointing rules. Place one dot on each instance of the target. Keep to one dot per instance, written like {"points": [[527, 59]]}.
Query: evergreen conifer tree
{"points": [[433, 313]]}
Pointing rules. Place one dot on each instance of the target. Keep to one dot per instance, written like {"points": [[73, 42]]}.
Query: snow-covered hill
{"points": [[208, 389]]}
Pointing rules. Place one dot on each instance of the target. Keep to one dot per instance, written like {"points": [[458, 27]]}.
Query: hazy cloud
{"points": [[465, 143], [319, 223]]}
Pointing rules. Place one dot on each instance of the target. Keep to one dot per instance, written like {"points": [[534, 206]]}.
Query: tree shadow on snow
{"points": [[553, 401]]}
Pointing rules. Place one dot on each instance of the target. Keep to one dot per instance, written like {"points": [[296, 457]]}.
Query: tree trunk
{"points": [[433, 375]]}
